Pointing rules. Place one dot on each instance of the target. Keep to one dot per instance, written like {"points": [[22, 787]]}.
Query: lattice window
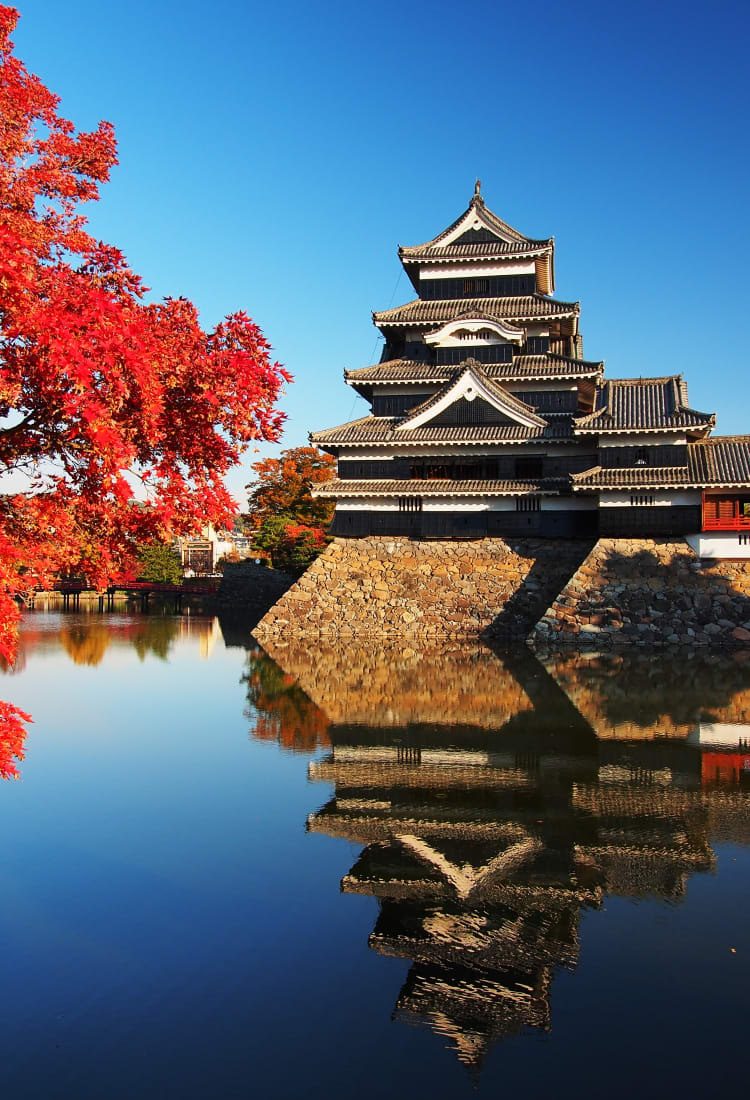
{"points": [[410, 504], [641, 500], [528, 504]]}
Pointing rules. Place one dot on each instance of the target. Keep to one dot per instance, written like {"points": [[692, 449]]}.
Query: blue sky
{"points": [[272, 157]]}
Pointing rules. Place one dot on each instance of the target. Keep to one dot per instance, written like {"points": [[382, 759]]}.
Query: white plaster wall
{"points": [[462, 504], [451, 504], [457, 270], [661, 497], [618, 439], [717, 545], [568, 504]]}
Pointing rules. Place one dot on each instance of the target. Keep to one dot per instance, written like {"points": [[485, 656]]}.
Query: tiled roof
{"points": [[633, 477], [380, 429], [723, 460], [527, 308], [633, 404], [490, 220], [522, 367], [435, 487], [472, 251], [493, 388]]}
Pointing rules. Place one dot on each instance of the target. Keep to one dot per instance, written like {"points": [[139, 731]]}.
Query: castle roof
{"points": [[530, 307], [473, 250], [382, 430], [478, 235], [436, 487], [722, 460], [633, 477], [523, 368], [472, 379], [642, 404], [480, 215]]}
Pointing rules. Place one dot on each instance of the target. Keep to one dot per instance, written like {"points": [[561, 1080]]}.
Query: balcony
{"points": [[726, 513]]}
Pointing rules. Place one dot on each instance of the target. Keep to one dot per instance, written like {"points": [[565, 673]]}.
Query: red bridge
{"points": [[71, 592]]}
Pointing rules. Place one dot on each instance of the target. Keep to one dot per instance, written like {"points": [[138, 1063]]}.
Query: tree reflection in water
{"points": [[86, 643], [86, 638], [279, 709], [495, 799]]}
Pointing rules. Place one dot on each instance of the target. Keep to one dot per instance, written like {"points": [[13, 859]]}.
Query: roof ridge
{"points": [[493, 385], [471, 366], [491, 220], [350, 423], [643, 381], [720, 439], [586, 473]]}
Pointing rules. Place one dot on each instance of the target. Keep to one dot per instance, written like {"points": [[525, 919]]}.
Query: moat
{"points": [[342, 865]]}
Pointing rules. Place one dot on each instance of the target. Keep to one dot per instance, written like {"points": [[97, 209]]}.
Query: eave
{"points": [[379, 431], [523, 368], [635, 478], [427, 314], [635, 405], [340, 489], [722, 462], [637, 429]]}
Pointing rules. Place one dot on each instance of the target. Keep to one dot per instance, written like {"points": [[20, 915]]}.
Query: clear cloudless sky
{"points": [[273, 156]]}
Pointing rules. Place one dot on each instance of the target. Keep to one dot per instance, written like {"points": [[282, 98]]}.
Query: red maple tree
{"points": [[100, 388]]}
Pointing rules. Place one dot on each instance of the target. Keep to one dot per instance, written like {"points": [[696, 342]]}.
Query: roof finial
{"points": [[478, 189]]}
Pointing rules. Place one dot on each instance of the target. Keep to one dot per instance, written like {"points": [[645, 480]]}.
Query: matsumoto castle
{"points": [[487, 419]]}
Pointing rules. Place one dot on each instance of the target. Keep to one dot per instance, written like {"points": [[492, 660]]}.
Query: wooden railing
{"points": [[726, 523], [724, 514], [186, 588]]}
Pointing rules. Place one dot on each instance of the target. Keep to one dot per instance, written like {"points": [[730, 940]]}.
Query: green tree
{"points": [[291, 546], [159, 563]]}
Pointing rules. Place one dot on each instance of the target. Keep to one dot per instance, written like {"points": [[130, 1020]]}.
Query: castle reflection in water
{"points": [[497, 797]]}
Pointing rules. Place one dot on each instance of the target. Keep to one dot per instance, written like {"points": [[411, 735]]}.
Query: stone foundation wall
{"points": [[649, 592], [245, 584], [396, 587]]}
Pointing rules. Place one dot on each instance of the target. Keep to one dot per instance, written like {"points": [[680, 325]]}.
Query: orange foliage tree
{"points": [[289, 523], [101, 389]]}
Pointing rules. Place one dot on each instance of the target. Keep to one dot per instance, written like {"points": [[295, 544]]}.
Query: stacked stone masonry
{"points": [[397, 587], [649, 592], [390, 683]]}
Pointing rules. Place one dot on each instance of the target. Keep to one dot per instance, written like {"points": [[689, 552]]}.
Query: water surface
{"points": [[229, 872]]}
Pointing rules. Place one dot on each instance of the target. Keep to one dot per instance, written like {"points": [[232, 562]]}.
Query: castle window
{"points": [[483, 353], [537, 345], [528, 504], [529, 467], [410, 504], [641, 500]]}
